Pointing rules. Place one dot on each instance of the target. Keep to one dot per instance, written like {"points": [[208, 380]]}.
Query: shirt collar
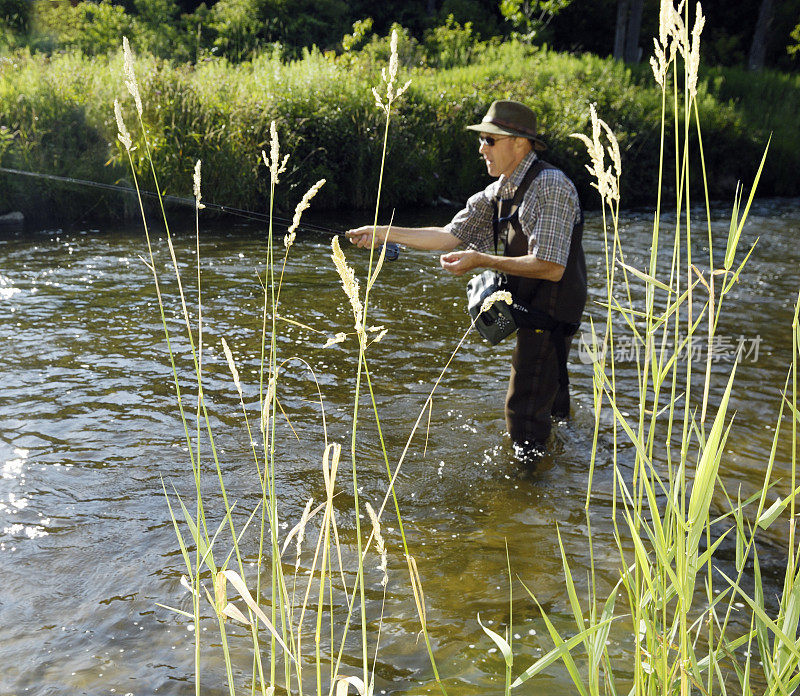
{"points": [[508, 185]]}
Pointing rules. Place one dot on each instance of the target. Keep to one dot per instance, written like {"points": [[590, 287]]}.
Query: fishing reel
{"points": [[392, 251]]}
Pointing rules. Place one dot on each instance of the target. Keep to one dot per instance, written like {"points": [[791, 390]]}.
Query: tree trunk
{"points": [[758, 49], [632, 50], [620, 33]]}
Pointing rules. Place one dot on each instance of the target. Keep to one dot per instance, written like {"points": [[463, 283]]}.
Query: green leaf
{"points": [[600, 638], [792, 408], [740, 535], [706, 474], [773, 512], [761, 616], [789, 621], [730, 646], [761, 627], [184, 551], [558, 640], [500, 642], [199, 539], [730, 252], [734, 230], [703, 558], [557, 653], [177, 611], [577, 612], [650, 280], [735, 276]]}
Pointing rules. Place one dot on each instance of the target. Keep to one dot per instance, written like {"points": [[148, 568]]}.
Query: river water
{"points": [[90, 430]]}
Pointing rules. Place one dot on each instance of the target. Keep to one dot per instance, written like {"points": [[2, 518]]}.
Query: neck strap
{"points": [[533, 171]]}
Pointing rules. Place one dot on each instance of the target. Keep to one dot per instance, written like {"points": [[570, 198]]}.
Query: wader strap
{"points": [[514, 203], [495, 224], [526, 316]]}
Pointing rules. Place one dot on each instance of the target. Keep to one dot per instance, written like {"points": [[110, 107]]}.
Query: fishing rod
{"points": [[392, 249]]}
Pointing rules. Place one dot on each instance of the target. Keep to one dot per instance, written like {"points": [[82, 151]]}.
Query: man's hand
{"points": [[460, 262], [362, 236]]}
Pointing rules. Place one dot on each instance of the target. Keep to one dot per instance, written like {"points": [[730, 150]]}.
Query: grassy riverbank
{"points": [[55, 117]]}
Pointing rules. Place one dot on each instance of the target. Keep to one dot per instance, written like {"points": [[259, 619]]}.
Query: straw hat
{"points": [[507, 117]]}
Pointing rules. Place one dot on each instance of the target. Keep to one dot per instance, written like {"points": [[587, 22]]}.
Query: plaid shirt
{"points": [[547, 214]]}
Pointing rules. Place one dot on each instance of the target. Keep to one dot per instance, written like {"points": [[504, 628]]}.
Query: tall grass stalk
{"points": [[290, 596], [679, 596]]}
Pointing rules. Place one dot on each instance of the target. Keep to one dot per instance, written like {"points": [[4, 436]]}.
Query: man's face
{"points": [[504, 156]]}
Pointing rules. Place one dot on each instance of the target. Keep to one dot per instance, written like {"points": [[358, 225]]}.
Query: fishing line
{"points": [[250, 214], [392, 249]]}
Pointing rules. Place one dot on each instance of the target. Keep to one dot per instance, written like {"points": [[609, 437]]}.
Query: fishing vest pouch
{"points": [[497, 322]]}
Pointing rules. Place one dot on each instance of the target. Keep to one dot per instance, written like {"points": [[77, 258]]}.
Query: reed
{"points": [[674, 599], [284, 608]]}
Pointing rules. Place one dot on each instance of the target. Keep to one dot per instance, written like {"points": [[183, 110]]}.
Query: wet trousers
{"points": [[534, 392]]}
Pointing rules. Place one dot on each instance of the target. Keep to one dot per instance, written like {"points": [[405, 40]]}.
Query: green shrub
{"points": [[219, 111], [94, 28], [237, 27], [57, 113], [451, 44], [14, 19], [157, 27]]}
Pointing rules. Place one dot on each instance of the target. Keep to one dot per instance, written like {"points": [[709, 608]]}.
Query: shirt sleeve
{"points": [[553, 210], [472, 226]]}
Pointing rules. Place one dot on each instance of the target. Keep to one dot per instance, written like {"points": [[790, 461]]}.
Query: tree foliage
{"points": [[530, 19], [446, 32], [793, 49]]}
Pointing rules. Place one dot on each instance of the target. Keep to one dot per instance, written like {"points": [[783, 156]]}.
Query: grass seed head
{"points": [[301, 531], [693, 62], [265, 409], [378, 101], [664, 21], [659, 64], [274, 163], [612, 180], [123, 135], [379, 543], [338, 338], [670, 39], [680, 37], [349, 283], [380, 336], [393, 60], [196, 182], [498, 296], [389, 78], [288, 240], [130, 75], [232, 366], [607, 181]]}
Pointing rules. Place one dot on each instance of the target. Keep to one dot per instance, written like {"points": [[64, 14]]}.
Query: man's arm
{"points": [[461, 262], [431, 238]]}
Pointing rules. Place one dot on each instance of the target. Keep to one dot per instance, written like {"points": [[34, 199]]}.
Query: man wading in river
{"points": [[534, 207]]}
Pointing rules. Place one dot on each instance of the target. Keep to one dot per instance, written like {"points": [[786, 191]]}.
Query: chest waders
{"points": [[548, 314]]}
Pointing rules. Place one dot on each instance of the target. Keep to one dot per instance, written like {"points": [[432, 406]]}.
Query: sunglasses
{"points": [[489, 140]]}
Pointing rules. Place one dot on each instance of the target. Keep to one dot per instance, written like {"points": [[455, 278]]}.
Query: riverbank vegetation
{"points": [[54, 100], [55, 120]]}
